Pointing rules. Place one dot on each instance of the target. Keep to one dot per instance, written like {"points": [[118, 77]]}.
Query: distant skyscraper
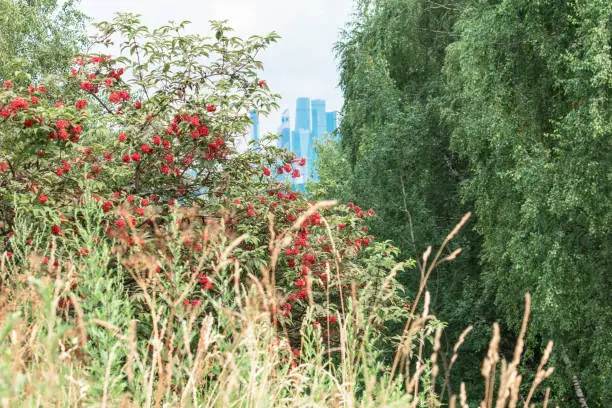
{"points": [[255, 119], [331, 121], [285, 131], [295, 143], [305, 142], [302, 113], [301, 142], [318, 128], [318, 118], [311, 122]]}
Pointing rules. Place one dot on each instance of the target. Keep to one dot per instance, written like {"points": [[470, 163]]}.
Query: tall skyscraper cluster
{"points": [[310, 123]]}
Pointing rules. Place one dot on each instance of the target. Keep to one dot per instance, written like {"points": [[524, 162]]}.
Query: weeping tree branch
{"points": [[575, 382]]}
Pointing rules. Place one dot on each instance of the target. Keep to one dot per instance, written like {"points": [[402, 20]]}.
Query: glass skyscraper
{"points": [[302, 113], [318, 118], [331, 121], [319, 126], [285, 131], [311, 122], [255, 119], [300, 137]]}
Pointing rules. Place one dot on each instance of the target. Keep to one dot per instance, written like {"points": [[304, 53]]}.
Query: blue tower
{"points": [[285, 131], [254, 115], [319, 126], [331, 121], [295, 143], [318, 118], [302, 113]]}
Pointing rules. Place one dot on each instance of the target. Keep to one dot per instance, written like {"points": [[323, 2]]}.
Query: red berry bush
{"points": [[127, 169]]}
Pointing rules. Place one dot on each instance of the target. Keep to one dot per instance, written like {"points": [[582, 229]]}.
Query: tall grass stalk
{"points": [[236, 353]]}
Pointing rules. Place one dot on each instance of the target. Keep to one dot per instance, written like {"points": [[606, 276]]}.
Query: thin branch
{"points": [[407, 211], [102, 103]]}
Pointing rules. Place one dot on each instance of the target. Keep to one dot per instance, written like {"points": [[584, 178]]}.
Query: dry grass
{"points": [[235, 355]]}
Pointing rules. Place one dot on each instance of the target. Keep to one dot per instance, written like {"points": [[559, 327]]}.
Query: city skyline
{"points": [[311, 122]]}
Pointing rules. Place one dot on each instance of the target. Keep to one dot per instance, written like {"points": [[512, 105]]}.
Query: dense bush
{"points": [[165, 138], [122, 179]]}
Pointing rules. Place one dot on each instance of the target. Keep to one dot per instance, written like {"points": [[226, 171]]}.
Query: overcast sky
{"points": [[302, 63]]}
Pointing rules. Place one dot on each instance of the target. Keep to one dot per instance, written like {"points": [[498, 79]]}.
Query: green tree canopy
{"points": [[38, 37], [502, 108], [530, 85]]}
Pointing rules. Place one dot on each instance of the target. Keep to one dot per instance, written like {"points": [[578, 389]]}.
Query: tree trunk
{"points": [[576, 383]]}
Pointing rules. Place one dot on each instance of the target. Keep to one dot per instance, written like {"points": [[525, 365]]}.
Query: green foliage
{"points": [[391, 127], [333, 169], [394, 154], [532, 113], [38, 38], [506, 107]]}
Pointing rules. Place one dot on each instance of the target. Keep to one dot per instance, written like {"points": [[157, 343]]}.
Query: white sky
{"points": [[301, 63]]}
